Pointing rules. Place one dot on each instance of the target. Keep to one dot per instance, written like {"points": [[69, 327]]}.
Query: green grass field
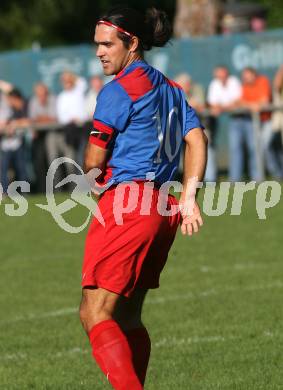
{"points": [[215, 323]]}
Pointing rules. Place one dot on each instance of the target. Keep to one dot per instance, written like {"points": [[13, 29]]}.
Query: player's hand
{"points": [[191, 223]]}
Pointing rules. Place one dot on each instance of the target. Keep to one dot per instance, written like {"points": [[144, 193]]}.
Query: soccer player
{"points": [[140, 122]]}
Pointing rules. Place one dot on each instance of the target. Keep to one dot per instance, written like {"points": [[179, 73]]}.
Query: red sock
{"points": [[112, 353], [140, 345]]}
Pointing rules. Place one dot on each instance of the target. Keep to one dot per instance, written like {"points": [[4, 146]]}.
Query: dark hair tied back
{"points": [[158, 29]]}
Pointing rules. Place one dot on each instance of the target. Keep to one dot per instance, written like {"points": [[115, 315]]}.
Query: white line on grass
{"points": [[235, 267], [189, 295], [150, 301], [35, 316], [162, 343], [165, 342]]}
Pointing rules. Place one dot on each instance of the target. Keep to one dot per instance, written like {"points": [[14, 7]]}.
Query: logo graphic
{"points": [[126, 196], [81, 194]]}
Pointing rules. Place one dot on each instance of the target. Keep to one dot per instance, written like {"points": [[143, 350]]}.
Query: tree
{"points": [[197, 17], [56, 22]]}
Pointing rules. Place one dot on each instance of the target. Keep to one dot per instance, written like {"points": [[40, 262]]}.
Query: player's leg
{"points": [[109, 344], [128, 311], [128, 314], [97, 305]]}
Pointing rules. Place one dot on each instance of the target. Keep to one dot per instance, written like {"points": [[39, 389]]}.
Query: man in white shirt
{"points": [[42, 112], [224, 92], [71, 111], [5, 111], [95, 86], [70, 102]]}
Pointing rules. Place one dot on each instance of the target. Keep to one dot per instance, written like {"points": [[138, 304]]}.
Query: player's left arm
{"points": [[195, 158], [194, 168]]}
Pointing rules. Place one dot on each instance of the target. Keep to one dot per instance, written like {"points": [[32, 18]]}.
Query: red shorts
{"points": [[121, 257]]}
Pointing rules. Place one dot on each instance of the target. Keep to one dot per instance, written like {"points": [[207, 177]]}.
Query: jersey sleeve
{"points": [[191, 120], [112, 114]]}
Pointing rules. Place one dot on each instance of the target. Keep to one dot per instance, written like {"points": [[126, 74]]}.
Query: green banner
{"points": [[198, 57]]}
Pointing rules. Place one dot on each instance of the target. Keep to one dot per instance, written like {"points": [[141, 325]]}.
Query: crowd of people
{"points": [[241, 98], [35, 131]]}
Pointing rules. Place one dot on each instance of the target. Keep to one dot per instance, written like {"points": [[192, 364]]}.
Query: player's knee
{"points": [[83, 315], [92, 312], [92, 318]]}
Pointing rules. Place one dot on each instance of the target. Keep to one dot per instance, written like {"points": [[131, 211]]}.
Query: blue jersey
{"points": [[142, 117]]}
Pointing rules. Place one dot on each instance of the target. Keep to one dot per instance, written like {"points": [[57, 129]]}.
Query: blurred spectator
{"points": [[5, 111], [70, 102], [223, 91], [277, 117], [12, 141], [42, 111], [95, 85], [5, 87], [81, 85], [71, 113], [256, 93], [194, 92], [258, 24], [278, 82], [196, 98]]}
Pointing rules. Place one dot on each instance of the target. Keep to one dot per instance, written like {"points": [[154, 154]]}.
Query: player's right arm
{"points": [[95, 157], [111, 115]]}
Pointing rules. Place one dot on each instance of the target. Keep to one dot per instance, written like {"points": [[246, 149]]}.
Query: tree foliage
{"points": [[275, 11], [56, 22], [63, 22]]}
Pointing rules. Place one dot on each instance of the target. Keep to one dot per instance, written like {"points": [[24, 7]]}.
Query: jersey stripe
{"points": [[136, 83]]}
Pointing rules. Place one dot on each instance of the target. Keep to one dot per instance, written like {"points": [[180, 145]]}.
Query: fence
{"points": [[256, 120]]}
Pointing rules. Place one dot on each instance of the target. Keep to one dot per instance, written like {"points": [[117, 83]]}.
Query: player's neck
{"points": [[132, 59]]}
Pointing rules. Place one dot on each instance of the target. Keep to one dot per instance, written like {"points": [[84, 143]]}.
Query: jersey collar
{"points": [[130, 67]]}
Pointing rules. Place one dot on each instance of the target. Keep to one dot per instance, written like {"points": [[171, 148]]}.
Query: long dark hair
{"points": [[152, 28]]}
